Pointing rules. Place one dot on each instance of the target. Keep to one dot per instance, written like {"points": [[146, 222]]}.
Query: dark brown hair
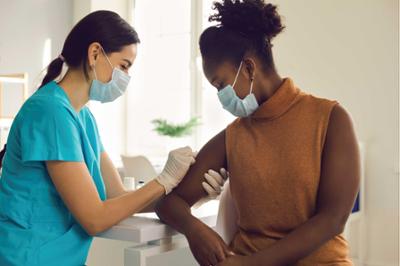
{"points": [[104, 27], [243, 25]]}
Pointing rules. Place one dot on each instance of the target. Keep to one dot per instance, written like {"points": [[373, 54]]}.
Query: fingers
{"points": [[185, 155], [217, 178], [220, 254], [212, 259], [214, 179], [229, 252], [192, 160], [224, 173], [210, 190], [209, 260], [185, 150]]}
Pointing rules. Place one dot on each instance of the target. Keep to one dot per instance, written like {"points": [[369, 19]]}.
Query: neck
{"points": [[76, 87], [267, 85]]}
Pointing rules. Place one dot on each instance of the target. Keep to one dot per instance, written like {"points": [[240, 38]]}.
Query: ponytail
{"points": [[2, 153], [53, 70]]}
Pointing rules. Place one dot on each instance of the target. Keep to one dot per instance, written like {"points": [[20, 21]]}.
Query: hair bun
{"points": [[253, 18]]}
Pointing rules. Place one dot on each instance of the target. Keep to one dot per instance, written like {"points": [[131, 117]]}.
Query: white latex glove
{"points": [[177, 165], [215, 182]]}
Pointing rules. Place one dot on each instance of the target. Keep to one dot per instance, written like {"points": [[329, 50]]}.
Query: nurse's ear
{"points": [[94, 50]]}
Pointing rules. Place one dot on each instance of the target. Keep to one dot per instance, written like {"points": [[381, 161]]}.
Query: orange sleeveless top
{"points": [[274, 158]]}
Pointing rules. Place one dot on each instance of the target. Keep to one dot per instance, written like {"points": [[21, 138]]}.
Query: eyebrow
{"points": [[129, 62]]}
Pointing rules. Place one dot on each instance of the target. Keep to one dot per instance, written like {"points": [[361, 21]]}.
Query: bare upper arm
{"points": [[340, 169], [211, 156]]}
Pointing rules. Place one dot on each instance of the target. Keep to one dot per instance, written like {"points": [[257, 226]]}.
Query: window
{"points": [[160, 86], [167, 82]]}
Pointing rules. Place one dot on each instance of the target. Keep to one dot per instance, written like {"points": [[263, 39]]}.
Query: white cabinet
{"points": [[152, 242]]}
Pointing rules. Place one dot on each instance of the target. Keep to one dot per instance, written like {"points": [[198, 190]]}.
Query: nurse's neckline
{"points": [[66, 97]]}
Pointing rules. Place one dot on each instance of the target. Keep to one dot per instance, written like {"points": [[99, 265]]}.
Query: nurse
{"points": [[59, 188]]}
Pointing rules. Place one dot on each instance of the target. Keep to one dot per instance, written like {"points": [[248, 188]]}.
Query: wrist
{"points": [[158, 180], [192, 225]]}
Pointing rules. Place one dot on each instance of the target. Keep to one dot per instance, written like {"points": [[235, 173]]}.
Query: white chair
{"points": [[226, 225], [138, 167]]}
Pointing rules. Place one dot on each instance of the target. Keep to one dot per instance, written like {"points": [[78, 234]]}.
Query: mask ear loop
{"points": [[251, 85], [93, 67], [237, 74], [94, 71], [112, 67]]}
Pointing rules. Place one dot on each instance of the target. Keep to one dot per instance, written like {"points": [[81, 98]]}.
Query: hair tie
{"points": [[61, 57]]}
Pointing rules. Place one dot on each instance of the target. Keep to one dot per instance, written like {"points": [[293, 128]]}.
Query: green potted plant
{"points": [[175, 132]]}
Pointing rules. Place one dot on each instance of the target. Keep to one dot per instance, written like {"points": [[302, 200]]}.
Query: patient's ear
{"points": [[249, 67]]}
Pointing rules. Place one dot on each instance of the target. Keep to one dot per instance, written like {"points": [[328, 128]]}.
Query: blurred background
{"points": [[346, 50]]}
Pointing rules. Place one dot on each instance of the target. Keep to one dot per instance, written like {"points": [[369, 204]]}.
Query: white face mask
{"points": [[232, 103], [108, 92]]}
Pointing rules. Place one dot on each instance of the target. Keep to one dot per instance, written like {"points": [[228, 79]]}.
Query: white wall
{"points": [[348, 50], [24, 28]]}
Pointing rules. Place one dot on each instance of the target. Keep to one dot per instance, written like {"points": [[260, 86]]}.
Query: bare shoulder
{"points": [[341, 140], [340, 122], [340, 114]]}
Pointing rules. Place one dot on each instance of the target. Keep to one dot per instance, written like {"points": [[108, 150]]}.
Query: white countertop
{"points": [[142, 228]]}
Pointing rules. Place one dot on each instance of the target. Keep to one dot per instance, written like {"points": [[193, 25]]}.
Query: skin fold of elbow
{"points": [[93, 228], [337, 223]]}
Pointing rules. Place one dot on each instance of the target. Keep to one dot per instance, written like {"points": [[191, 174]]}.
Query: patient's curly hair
{"points": [[242, 25]]}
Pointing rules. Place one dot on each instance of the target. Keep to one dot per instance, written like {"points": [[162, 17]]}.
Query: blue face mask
{"points": [[108, 92], [232, 103]]}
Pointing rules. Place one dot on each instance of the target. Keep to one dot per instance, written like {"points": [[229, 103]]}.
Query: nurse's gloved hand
{"points": [[215, 182], [175, 169]]}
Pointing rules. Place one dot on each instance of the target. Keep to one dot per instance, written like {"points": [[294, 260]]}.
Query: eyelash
{"points": [[124, 67]]}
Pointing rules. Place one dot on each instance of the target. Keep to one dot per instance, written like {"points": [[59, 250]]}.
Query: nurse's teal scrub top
{"points": [[36, 228]]}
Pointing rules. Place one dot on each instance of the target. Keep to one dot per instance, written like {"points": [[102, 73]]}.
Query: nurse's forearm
{"points": [[149, 208], [114, 210]]}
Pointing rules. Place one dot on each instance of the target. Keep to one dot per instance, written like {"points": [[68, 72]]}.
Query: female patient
{"points": [[293, 158]]}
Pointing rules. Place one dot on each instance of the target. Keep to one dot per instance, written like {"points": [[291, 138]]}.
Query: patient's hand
{"points": [[215, 182], [207, 246]]}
